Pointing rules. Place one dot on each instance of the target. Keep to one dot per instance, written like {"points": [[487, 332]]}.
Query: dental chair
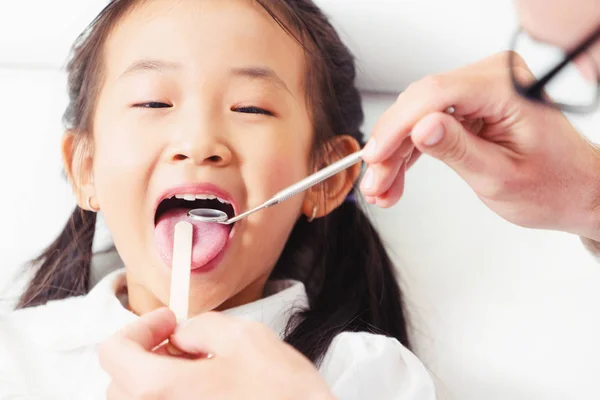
{"points": [[498, 312]]}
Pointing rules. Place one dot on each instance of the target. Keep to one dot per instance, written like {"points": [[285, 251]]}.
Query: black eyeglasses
{"points": [[561, 86]]}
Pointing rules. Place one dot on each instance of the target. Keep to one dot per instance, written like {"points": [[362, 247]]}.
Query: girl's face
{"points": [[199, 98]]}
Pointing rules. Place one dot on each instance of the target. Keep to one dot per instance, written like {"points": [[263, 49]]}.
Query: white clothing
{"points": [[50, 352]]}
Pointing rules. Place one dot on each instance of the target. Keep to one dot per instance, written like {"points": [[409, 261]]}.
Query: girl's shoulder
{"points": [[68, 323], [41, 345], [43, 324], [30, 345], [361, 365]]}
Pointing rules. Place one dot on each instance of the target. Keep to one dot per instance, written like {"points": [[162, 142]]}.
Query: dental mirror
{"points": [[209, 215]]}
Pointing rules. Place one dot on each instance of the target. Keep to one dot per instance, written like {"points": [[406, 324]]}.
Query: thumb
{"points": [[443, 137], [151, 329]]}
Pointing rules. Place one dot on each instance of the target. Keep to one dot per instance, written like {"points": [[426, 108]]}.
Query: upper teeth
{"points": [[193, 197]]}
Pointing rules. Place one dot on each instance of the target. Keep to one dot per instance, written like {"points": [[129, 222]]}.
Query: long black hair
{"points": [[349, 277]]}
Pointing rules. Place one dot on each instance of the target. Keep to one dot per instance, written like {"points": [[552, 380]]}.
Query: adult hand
{"points": [[249, 362], [525, 161]]}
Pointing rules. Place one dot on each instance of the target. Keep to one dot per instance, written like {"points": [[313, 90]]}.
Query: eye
{"points": [[152, 104], [252, 110]]}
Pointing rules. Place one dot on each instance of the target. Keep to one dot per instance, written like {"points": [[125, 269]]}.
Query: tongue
{"points": [[208, 239]]}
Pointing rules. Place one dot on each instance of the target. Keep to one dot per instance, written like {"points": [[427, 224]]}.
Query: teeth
{"points": [[192, 197], [205, 197], [188, 197]]}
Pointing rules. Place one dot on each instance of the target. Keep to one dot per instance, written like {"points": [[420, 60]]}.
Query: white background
{"points": [[499, 312]]}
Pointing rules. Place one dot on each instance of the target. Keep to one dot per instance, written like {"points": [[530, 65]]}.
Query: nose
{"points": [[201, 148]]}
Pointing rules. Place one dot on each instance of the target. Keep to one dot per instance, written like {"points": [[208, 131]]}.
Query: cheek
{"points": [[595, 58], [125, 152], [119, 163], [124, 144], [271, 165], [587, 68], [122, 166], [282, 170]]}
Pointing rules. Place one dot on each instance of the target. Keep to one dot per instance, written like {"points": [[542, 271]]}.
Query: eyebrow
{"points": [[260, 73], [150, 65]]}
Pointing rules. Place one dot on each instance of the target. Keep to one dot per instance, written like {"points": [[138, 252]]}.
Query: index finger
{"points": [[466, 89]]}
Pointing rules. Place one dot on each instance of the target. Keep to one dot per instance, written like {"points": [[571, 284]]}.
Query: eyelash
{"points": [[243, 110], [253, 110], [153, 104]]}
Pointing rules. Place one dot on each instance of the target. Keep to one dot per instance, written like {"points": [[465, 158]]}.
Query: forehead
{"points": [[206, 37]]}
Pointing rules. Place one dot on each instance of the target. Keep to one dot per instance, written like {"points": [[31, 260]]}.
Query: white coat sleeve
{"points": [[363, 366]]}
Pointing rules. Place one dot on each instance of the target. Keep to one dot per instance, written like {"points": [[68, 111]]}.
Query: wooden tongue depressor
{"points": [[180, 278], [181, 270]]}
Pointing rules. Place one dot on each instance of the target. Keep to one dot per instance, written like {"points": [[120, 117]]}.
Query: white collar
{"points": [[89, 320]]}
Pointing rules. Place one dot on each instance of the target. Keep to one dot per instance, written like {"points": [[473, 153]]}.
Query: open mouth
{"points": [[192, 202], [209, 240]]}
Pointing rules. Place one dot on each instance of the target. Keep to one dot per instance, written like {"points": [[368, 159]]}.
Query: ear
{"points": [[78, 164], [323, 199]]}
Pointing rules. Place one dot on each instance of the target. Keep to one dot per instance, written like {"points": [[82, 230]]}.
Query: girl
{"points": [[214, 104]]}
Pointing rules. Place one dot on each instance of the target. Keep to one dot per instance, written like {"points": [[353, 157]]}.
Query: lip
{"points": [[200, 188]]}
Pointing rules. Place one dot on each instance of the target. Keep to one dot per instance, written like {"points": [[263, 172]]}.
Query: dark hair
{"points": [[347, 272]]}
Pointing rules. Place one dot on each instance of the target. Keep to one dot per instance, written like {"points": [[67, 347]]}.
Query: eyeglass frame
{"points": [[535, 91]]}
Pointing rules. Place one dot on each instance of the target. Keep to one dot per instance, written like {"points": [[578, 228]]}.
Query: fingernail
{"points": [[370, 148], [368, 180], [434, 137], [174, 351]]}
